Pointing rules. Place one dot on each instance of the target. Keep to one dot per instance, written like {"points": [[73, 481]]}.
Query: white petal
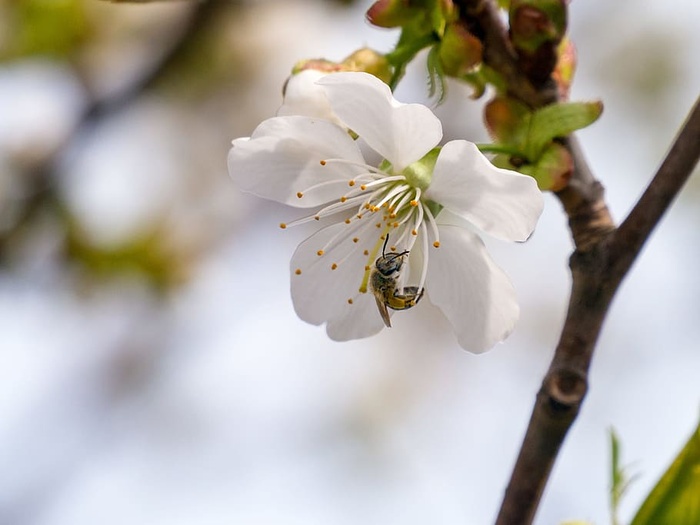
{"points": [[475, 295], [302, 96], [319, 292], [500, 202], [401, 133], [357, 321], [283, 156]]}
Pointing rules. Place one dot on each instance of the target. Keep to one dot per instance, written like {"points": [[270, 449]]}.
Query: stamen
{"points": [[370, 169], [424, 270], [433, 226]]}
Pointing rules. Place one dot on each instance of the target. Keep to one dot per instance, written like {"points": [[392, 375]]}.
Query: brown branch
{"points": [[603, 255]]}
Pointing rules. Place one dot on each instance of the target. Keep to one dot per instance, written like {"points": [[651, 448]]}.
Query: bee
{"points": [[384, 283]]}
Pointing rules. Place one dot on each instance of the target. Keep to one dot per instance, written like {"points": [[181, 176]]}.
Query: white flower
{"points": [[310, 162]]}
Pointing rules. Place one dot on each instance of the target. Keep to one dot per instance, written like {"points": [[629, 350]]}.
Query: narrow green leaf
{"points": [[558, 120], [675, 500], [618, 481]]}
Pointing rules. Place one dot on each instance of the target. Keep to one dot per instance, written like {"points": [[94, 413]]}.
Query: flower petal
{"points": [[325, 286], [401, 133], [500, 202], [475, 295], [302, 96], [357, 320], [283, 156]]}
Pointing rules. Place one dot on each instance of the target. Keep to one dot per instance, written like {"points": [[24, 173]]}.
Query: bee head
{"points": [[389, 263]]}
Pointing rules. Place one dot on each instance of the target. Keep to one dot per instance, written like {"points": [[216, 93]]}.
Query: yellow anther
{"points": [[351, 183], [323, 163], [367, 268], [396, 225], [319, 253], [392, 215], [343, 199], [334, 266], [414, 232], [317, 217], [378, 225], [347, 221], [436, 244], [393, 248], [299, 195], [297, 271], [355, 239], [349, 301], [363, 187], [366, 252], [413, 203], [283, 225]]}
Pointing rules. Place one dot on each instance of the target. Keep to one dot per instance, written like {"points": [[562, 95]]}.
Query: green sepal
{"points": [[556, 120], [552, 170], [436, 74], [675, 500]]}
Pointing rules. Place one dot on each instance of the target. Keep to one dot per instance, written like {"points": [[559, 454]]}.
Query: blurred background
{"points": [[152, 369]]}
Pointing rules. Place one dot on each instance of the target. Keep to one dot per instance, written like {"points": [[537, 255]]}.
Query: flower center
{"points": [[377, 203]]}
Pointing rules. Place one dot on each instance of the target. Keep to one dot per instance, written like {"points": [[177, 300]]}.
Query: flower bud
{"points": [[563, 73], [391, 13], [460, 51], [534, 22], [369, 61]]}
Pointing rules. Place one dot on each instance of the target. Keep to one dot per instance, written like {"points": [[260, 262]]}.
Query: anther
{"points": [[413, 203], [343, 199], [319, 253], [436, 244], [349, 301], [378, 225], [317, 218], [355, 239], [299, 195], [283, 225], [366, 268], [351, 183], [366, 252], [414, 232], [297, 271], [334, 266], [363, 187], [323, 163], [347, 221]]}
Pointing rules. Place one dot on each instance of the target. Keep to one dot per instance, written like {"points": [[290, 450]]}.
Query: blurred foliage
{"points": [[54, 28]]}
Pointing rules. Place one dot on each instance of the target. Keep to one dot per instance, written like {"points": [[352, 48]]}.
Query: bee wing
{"points": [[383, 311]]}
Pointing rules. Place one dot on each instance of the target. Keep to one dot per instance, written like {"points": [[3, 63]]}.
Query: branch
{"points": [[603, 255]]}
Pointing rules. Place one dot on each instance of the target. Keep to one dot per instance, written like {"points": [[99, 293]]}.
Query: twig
{"points": [[603, 255]]}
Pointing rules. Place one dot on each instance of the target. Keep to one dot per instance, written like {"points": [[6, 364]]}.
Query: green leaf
{"points": [[558, 120], [619, 482], [675, 500]]}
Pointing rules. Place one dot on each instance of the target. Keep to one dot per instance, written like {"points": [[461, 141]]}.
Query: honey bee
{"points": [[384, 283]]}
